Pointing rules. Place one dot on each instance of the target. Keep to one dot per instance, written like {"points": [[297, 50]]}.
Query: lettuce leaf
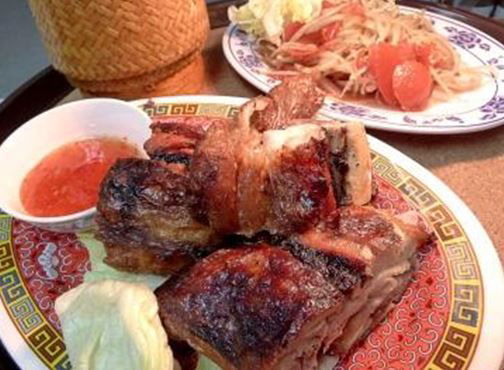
{"points": [[267, 18], [205, 363], [101, 271]]}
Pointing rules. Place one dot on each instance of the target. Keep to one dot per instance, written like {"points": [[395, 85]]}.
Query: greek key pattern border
{"points": [[189, 109], [38, 333], [462, 332]]}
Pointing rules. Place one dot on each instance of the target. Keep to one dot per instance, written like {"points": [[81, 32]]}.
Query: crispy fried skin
{"points": [[247, 308], [144, 218], [300, 186], [253, 200], [295, 98], [173, 139], [287, 306], [213, 174]]}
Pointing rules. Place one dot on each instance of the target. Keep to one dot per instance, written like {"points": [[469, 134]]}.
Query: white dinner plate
{"points": [[450, 317], [475, 110]]}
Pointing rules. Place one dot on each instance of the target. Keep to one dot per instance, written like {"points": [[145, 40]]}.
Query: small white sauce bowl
{"points": [[67, 123]]}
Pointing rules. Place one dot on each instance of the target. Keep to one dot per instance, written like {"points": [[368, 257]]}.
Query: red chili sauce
{"points": [[68, 179]]}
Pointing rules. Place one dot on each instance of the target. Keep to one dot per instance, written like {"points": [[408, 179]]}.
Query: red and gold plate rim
{"points": [[32, 335]]}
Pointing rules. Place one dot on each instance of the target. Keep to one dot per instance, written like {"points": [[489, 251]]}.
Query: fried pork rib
{"points": [[294, 99], [173, 139], [251, 308], [280, 181], [299, 305], [145, 218]]}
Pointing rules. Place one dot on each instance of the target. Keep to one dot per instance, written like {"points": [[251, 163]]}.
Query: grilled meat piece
{"points": [[280, 180], [298, 305], [251, 308], [370, 256], [295, 98], [300, 183], [212, 177], [253, 198], [145, 218], [173, 139], [213, 173], [350, 162], [327, 270]]}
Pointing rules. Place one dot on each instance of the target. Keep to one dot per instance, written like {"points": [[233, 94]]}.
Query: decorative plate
{"points": [[475, 110], [449, 318]]}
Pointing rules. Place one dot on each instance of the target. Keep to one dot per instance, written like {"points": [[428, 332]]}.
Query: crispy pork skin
{"points": [[279, 181], [253, 196], [370, 256], [213, 175], [295, 98], [145, 218], [173, 139], [300, 184], [251, 308]]}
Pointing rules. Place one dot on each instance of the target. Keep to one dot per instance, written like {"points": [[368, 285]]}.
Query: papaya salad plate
{"points": [[450, 316], [394, 68]]}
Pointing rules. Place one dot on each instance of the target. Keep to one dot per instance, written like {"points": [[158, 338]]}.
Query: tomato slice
{"points": [[319, 37], [305, 54], [423, 53], [412, 85], [383, 58], [406, 51], [312, 38]]}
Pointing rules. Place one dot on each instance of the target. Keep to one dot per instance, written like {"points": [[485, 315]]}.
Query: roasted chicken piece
{"points": [[301, 304], [145, 218]]}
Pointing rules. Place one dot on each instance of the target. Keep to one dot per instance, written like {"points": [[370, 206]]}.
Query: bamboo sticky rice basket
{"points": [[124, 48]]}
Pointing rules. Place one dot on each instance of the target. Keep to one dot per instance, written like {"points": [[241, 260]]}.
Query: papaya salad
{"points": [[358, 48]]}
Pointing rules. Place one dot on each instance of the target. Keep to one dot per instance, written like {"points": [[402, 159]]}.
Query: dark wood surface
{"points": [[48, 87]]}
